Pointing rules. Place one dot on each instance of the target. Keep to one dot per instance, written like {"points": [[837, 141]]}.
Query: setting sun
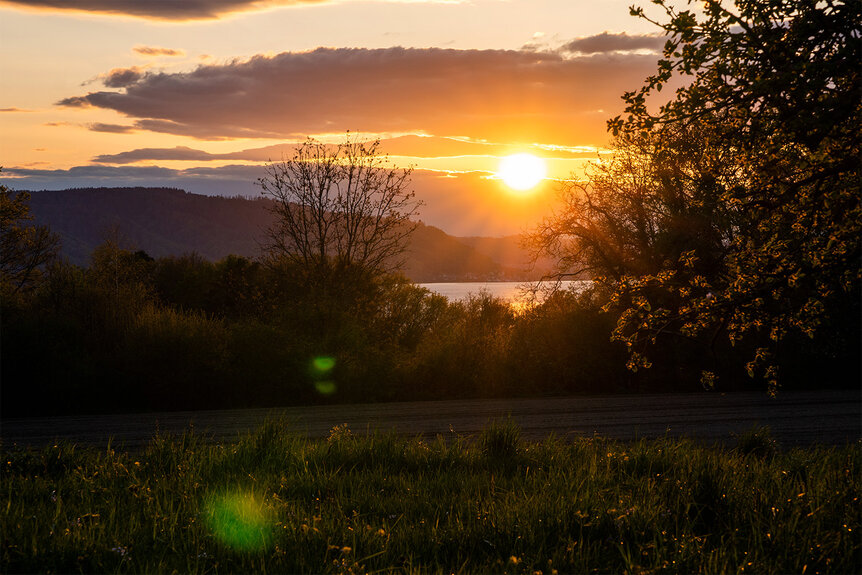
{"points": [[522, 171]]}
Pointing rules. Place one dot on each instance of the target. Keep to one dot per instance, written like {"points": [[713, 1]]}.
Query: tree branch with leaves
{"points": [[24, 248], [770, 103]]}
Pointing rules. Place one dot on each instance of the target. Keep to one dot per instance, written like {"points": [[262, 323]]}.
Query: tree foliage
{"points": [[734, 210], [655, 199], [24, 247]]}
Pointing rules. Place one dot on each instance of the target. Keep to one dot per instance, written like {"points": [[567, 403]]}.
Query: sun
{"points": [[522, 172]]}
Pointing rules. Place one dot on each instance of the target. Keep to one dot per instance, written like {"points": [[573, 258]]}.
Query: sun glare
{"points": [[522, 171]]}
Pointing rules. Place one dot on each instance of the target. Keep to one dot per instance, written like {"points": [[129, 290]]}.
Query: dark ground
{"points": [[795, 418]]}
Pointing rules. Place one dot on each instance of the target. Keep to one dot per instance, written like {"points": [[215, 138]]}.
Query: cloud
{"points": [[607, 42], [110, 128], [207, 131], [157, 51], [74, 102], [14, 110], [228, 181], [72, 177], [496, 95], [174, 10], [177, 153], [433, 146], [409, 145], [122, 77], [93, 172], [157, 9]]}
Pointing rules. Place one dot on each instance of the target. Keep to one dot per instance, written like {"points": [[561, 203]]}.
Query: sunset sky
{"points": [[198, 94]]}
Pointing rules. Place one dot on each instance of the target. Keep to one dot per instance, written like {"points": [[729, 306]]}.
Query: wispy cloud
{"points": [[92, 172], [409, 145], [607, 42], [156, 154], [496, 95], [157, 51], [74, 102], [110, 128], [94, 127]]}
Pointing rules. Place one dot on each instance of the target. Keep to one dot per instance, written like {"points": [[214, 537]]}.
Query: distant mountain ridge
{"points": [[170, 221]]}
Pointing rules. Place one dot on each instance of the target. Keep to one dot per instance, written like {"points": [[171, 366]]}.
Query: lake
{"points": [[511, 291]]}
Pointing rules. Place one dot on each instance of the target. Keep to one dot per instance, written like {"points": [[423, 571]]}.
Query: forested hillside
{"points": [[166, 221]]}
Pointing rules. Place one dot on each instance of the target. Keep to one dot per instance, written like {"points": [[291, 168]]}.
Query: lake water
{"points": [[511, 291]]}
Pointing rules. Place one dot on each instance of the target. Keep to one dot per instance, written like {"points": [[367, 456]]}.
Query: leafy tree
{"points": [[184, 281], [763, 140], [647, 215], [654, 200], [24, 247], [338, 209], [122, 281]]}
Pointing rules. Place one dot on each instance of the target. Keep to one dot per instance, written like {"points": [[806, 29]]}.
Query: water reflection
{"points": [[510, 291]]}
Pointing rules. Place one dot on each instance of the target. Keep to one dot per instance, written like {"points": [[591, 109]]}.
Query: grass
{"points": [[278, 502]]}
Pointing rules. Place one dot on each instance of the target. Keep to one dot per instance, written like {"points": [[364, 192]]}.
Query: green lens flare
{"points": [[240, 521], [322, 365], [325, 387]]}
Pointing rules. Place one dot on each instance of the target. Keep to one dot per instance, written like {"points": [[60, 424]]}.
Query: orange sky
{"points": [[198, 94]]}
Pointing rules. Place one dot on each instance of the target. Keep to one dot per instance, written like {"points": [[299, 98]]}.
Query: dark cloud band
{"points": [[607, 42], [156, 9]]}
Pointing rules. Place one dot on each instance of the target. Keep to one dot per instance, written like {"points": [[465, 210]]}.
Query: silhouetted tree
{"points": [[653, 200], [339, 208], [771, 101], [122, 282], [24, 247]]}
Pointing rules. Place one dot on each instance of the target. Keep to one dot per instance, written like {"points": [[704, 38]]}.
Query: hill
{"points": [[168, 221]]}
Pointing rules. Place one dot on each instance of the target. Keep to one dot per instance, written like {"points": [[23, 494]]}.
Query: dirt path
{"points": [[796, 418]]}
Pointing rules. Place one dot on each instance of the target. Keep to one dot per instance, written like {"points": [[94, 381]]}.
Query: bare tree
{"points": [[339, 207]]}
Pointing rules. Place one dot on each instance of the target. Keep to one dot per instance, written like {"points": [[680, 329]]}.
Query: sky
{"points": [[200, 94]]}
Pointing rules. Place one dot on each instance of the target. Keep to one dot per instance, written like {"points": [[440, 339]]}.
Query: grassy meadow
{"points": [[275, 501]]}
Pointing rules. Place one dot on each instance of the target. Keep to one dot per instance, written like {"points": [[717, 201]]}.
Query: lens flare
{"points": [[239, 521], [325, 387], [322, 365]]}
